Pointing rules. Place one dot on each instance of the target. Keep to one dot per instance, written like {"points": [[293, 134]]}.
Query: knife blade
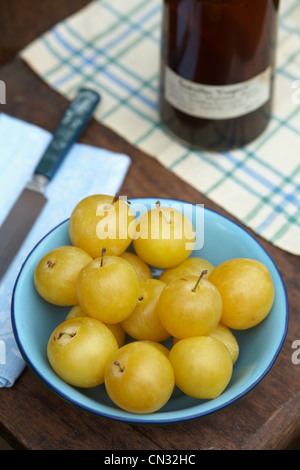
{"points": [[32, 199]]}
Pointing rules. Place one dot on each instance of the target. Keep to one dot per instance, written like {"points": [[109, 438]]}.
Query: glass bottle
{"points": [[217, 70]]}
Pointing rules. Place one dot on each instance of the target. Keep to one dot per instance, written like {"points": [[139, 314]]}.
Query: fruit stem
{"points": [[50, 264], [64, 333], [121, 368], [116, 197], [199, 279], [167, 219], [102, 256]]}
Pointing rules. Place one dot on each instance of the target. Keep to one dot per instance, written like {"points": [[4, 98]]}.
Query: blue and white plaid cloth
{"points": [[114, 46], [86, 170]]}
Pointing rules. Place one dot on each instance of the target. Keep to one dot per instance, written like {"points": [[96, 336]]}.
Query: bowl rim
{"points": [[164, 417]]}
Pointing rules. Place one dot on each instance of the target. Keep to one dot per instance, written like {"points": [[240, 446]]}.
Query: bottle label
{"points": [[217, 102]]}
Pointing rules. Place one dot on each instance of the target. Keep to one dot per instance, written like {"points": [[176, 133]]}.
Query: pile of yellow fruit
{"points": [[120, 314]]}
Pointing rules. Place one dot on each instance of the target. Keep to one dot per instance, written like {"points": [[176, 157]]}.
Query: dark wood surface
{"points": [[31, 416]]}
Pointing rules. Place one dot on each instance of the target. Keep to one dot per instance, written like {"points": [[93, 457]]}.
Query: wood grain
{"points": [[21, 21], [31, 416]]}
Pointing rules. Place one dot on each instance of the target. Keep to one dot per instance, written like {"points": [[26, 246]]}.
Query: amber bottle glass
{"points": [[217, 69]]}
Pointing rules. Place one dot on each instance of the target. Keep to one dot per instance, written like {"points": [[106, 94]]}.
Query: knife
{"points": [[32, 199]]}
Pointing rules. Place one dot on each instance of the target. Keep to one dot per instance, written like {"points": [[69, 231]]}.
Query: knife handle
{"points": [[70, 127]]}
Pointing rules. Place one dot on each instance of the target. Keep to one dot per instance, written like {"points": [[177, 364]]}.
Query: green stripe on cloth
{"points": [[114, 47]]}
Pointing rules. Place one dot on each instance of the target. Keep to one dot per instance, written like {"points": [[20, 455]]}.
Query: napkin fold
{"points": [[86, 170], [115, 47]]}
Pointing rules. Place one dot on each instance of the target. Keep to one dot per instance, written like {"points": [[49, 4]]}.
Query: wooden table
{"points": [[31, 416]]}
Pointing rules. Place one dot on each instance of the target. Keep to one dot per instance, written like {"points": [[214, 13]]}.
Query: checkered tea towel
{"points": [[114, 46]]}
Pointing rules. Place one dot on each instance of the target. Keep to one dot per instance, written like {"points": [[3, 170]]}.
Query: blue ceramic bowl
{"points": [[34, 320]]}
